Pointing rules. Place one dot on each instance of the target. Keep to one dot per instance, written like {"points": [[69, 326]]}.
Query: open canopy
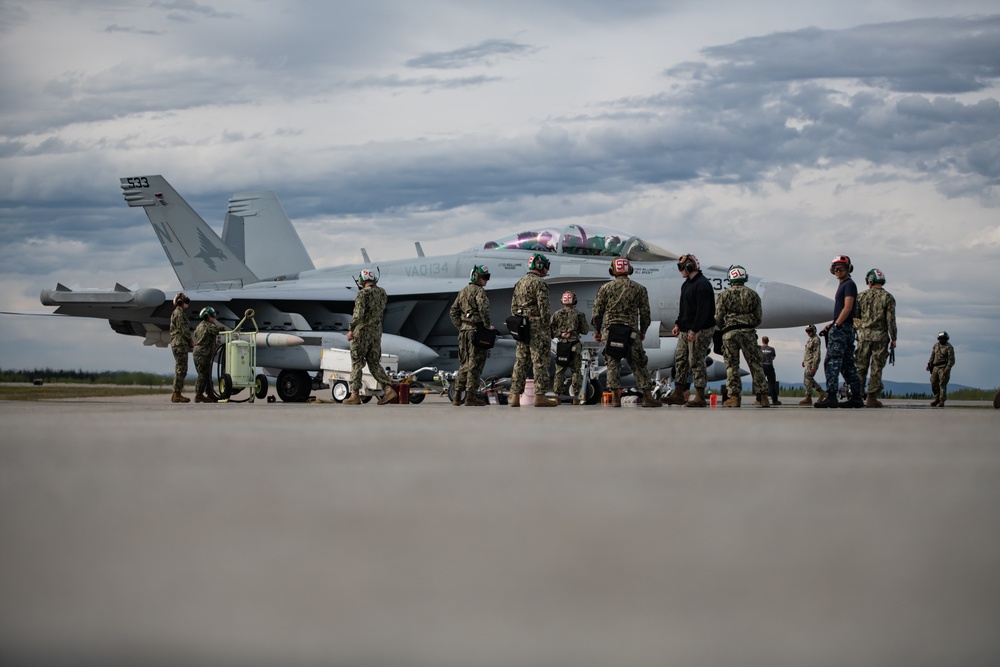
{"points": [[575, 240]]}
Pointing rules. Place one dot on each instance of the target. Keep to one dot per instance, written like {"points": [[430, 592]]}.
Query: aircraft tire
{"points": [[293, 386], [594, 391]]}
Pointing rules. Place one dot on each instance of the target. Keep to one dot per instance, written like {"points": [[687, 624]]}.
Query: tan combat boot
{"points": [[200, 398], [734, 401], [576, 401], [676, 398], [648, 401], [353, 399], [806, 401], [872, 402], [514, 400], [457, 400], [472, 399], [935, 403], [388, 395], [179, 398], [543, 401], [765, 402], [698, 400], [820, 396]]}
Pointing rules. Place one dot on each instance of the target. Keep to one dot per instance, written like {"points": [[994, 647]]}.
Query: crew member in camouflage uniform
{"points": [[810, 362], [840, 340], [471, 309], [626, 302], [205, 335], [738, 313], [568, 324], [365, 336], [876, 327], [939, 366], [181, 344], [694, 327], [531, 300]]}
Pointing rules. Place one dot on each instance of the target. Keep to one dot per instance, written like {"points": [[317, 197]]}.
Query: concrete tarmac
{"points": [[134, 531]]}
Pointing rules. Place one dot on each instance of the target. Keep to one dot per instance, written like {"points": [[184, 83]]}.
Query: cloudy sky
{"points": [[773, 134]]}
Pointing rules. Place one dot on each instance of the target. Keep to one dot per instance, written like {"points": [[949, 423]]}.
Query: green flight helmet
{"points": [[875, 277], [539, 262], [479, 271], [206, 312]]}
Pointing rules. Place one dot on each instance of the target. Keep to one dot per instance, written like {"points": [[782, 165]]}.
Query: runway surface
{"points": [[134, 531]]}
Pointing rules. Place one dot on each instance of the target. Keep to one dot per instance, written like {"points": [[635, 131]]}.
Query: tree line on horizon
{"points": [[84, 377]]}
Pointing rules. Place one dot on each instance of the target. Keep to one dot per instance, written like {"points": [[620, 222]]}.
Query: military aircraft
{"points": [[260, 263]]}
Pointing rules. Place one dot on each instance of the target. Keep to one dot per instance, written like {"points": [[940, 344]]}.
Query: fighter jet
{"points": [[260, 263]]}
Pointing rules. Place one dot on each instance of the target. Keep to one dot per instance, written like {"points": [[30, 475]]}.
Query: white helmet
{"points": [[367, 276]]}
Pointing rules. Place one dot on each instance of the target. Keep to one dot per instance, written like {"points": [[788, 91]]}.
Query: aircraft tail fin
{"points": [[196, 253], [260, 233]]}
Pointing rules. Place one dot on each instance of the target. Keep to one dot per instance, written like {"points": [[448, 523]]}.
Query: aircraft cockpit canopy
{"points": [[591, 241]]}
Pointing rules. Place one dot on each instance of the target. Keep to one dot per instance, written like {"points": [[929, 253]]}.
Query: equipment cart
{"points": [[239, 361], [336, 366]]}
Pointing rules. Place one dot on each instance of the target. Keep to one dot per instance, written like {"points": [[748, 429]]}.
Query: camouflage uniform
{"points": [[180, 343], [940, 363], [471, 307], [624, 301], [204, 350], [876, 326], [811, 363], [366, 327], [740, 305], [531, 299], [571, 321]]}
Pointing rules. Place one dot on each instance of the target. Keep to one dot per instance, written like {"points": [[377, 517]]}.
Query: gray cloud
{"points": [[483, 53], [942, 56]]}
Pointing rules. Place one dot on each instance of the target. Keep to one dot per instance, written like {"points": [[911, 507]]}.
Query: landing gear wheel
{"points": [[260, 386], [416, 397], [340, 391], [593, 392], [293, 386], [225, 386]]}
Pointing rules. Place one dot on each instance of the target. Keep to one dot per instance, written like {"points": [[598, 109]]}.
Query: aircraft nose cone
{"points": [[785, 305]]}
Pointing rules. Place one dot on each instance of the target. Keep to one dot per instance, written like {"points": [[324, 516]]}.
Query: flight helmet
{"points": [[569, 298], [367, 276], [811, 329], [621, 267], [539, 262], [737, 274], [180, 298], [875, 276], [688, 263], [843, 260], [943, 336], [479, 271], [206, 312]]}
